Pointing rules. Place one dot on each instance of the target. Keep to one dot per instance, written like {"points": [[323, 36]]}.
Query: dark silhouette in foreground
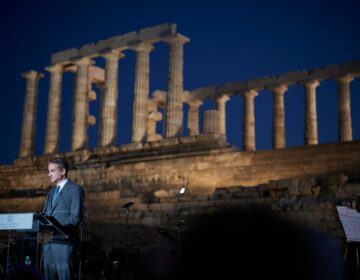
{"points": [[253, 244]]}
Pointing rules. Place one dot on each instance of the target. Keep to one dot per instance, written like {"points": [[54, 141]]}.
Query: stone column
{"points": [[345, 127], [278, 117], [211, 122], [249, 120], [27, 141], [109, 98], [220, 106], [174, 113], [80, 105], [193, 117], [141, 92], [311, 130], [54, 106]]}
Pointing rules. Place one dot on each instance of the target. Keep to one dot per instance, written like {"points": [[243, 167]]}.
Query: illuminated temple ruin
{"points": [[301, 183], [146, 108]]}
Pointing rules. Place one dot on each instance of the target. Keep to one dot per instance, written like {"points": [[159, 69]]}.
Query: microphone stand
{"points": [[127, 208], [180, 226], [26, 199], [9, 234]]}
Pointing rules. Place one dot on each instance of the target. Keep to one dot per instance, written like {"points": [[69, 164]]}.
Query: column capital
{"points": [[345, 78], [32, 75], [222, 98], [112, 54], [279, 89], [142, 47], [250, 93], [195, 103], [311, 83], [83, 61], [55, 68], [177, 39]]}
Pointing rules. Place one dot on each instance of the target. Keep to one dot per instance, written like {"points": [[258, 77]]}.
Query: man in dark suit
{"points": [[64, 205]]}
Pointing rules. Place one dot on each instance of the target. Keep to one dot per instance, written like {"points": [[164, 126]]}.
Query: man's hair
{"points": [[62, 163]]}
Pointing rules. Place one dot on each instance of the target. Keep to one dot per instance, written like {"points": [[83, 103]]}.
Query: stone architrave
{"points": [[249, 120], [27, 143], [141, 92], [54, 106], [311, 129], [109, 99], [278, 117], [174, 100], [193, 117], [80, 106], [220, 105], [345, 126]]}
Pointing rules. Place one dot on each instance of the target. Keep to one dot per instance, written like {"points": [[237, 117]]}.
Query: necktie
{"points": [[56, 194]]}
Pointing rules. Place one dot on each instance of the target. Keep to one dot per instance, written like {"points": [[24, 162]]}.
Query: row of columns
{"points": [[145, 123], [108, 112], [215, 122], [311, 130]]}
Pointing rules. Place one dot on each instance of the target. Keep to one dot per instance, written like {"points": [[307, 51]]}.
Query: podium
{"points": [[350, 222], [34, 227]]}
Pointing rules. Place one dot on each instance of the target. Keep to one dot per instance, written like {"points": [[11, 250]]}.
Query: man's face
{"points": [[56, 173]]}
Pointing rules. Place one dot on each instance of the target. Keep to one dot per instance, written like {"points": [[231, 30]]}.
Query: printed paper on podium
{"points": [[350, 221]]}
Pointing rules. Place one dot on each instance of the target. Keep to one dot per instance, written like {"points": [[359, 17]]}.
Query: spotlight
{"points": [[182, 190]]}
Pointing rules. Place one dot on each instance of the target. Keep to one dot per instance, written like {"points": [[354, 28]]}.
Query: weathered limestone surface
{"points": [[345, 128], [120, 42], [290, 78], [279, 117], [311, 131], [141, 92], [27, 141], [202, 165], [54, 105], [81, 106], [108, 115], [301, 184], [174, 99]]}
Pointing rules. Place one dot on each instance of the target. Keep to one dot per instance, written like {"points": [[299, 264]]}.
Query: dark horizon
{"points": [[229, 42]]}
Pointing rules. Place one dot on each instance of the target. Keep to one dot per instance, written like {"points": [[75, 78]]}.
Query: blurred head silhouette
{"points": [[258, 244]]}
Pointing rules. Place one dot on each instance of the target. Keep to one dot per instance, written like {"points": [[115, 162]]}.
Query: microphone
{"points": [[39, 190], [27, 198], [180, 224], [127, 205]]}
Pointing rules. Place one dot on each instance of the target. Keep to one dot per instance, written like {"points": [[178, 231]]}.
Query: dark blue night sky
{"points": [[229, 41]]}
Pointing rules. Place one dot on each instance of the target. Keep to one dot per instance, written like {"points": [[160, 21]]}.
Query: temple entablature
{"points": [[117, 43], [331, 72]]}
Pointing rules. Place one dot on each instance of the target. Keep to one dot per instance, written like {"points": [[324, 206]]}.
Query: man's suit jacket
{"points": [[67, 210]]}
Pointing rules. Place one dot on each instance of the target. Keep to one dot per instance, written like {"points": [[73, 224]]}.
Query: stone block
{"points": [[307, 182], [337, 179], [315, 191], [305, 190], [157, 32], [64, 56]]}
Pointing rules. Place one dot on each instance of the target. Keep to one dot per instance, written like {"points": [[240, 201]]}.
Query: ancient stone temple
{"points": [[303, 184]]}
